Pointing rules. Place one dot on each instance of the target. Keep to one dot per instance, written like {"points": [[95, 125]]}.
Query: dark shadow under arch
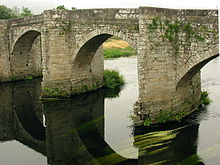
{"points": [[193, 71], [26, 55], [25, 41], [88, 50]]}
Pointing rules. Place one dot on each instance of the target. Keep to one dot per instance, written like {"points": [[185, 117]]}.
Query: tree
{"points": [[16, 11], [25, 12], [61, 7], [6, 13]]}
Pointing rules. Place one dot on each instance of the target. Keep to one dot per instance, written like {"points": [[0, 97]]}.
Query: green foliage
{"points": [[61, 7], [164, 116], [179, 116], [112, 79], [119, 52], [147, 121], [54, 92], [29, 78], [6, 13], [25, 12], [14, 78], [112, 92], [204, 99], [154, 25], [85, 88], [171, 31]]}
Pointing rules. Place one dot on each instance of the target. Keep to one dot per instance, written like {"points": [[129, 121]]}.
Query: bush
{"points": [[204, 99], [112, 79], [112, 93]]}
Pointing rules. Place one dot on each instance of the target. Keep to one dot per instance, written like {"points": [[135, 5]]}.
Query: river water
{"points": [[96, 128]]}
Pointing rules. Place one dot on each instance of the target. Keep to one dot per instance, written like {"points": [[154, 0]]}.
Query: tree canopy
{"points": [[25, 12], [6, 13], [15, 12]]}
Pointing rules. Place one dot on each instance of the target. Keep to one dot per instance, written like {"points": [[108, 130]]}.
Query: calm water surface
{"points": [[95, 128]]}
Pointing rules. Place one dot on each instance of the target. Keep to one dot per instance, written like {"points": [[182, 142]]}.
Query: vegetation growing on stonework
{"points": [[164, 116], [54, 92], [29, 78], [62, 7], [147, 121], [204, 99], [112, 79], [172, 30]]}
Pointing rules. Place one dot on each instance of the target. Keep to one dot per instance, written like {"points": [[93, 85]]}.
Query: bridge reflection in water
{"points": [[71, 131]]}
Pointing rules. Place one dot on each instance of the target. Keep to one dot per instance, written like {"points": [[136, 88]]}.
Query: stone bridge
{"points": [[65, 47]]}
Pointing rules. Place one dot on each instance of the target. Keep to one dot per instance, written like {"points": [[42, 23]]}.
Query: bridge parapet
{"points": [[26, 21]]}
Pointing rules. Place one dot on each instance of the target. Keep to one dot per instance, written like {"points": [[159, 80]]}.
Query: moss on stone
{"points": [[171, 30], [54, 92]]}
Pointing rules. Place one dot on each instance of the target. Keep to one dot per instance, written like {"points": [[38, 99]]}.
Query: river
{"points": [[96, 128]]}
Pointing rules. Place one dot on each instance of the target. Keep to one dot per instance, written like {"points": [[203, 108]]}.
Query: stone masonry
{"points": [[65, 47]]}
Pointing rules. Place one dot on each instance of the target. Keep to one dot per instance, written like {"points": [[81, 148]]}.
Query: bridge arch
{"points": [[93, 40], [88, 63], [111, 31], [25, 55], [193, 66]]}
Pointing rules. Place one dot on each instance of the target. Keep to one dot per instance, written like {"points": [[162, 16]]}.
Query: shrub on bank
{"points": [[112, 79], [204, 99]]}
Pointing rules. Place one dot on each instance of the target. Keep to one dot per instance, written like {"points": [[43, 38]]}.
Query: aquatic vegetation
{"points": [[204, 99], [112, 79]]}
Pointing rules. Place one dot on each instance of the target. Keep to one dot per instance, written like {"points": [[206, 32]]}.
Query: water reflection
{"points": [[74, 132], [170, 144]]}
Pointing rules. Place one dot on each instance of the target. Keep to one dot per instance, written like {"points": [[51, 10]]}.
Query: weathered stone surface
{"points": [[173, 45]]}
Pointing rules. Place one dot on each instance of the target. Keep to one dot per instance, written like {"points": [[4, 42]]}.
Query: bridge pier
{"points": [[173, 46], [63, 73], [4, 51]]}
